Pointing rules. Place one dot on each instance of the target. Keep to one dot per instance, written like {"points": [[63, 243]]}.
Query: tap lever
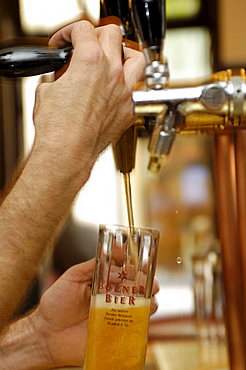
{"points": [[27, 60], [125, 150]]}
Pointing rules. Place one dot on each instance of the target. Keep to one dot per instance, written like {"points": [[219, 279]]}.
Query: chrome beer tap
{"points": [[216, 103]]}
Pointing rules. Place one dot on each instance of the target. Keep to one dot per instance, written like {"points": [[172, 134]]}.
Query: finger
{"points": [[153, 305], [156, 286], [132, 44], [130, 52], [87, 51], [81, 273], [134, 64], [78, 17], [110, 39], [73, 33]]}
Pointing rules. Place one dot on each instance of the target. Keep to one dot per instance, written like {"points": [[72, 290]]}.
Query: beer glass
{"points": [[121, 297]]}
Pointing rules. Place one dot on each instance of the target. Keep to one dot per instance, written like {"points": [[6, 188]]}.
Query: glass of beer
{"points": [[121, 297]]}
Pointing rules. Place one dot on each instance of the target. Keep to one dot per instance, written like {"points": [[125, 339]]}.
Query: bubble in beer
{"points": [[179, 260]]}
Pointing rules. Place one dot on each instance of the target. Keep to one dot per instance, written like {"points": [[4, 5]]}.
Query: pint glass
{"points": [[121, 296]]}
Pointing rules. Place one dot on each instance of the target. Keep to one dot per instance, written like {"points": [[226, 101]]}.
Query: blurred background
{"points": [[203, 36]]}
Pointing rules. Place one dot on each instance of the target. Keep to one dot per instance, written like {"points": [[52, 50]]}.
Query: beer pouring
{"points": [[216, 104]]}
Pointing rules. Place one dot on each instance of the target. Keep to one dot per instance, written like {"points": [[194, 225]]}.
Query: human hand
{"points": [[62, 316], [89, 106]]}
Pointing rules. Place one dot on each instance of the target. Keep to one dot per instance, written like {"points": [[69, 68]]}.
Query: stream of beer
{"points": [[132, 252], [127, 181]]}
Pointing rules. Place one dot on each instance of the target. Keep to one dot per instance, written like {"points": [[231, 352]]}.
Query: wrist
{"points": [[22, 347], [59, 169], [57, 345]]}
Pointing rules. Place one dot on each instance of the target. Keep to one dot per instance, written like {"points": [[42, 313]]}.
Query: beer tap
{"points": [[218, 102]]}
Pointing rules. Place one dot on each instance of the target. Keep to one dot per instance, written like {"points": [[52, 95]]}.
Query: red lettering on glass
{"points": [[123, 300], [108, 298], [108, 288], [132, 301], [141, 289], [125, 289]]}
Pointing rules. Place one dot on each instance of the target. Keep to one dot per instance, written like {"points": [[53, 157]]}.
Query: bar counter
{"points": [[183, 355]]}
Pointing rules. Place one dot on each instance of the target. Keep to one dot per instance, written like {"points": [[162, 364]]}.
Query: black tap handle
{"points": [[27, 60], [122, 10], [150, 21], [118, 8]]}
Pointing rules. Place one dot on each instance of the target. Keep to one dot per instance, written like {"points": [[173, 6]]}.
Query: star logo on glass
{"points": [[122, 276]]}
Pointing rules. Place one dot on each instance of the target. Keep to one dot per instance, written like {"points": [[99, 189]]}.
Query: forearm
{"points": [[22, 348], [29, 218]]}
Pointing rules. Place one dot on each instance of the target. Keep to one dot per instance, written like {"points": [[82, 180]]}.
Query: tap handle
{"points": [[122, 10], [27, 60], [117, 8], [150, 21]]}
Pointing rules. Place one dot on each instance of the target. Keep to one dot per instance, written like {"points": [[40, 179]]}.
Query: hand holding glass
{"points": [[121, 297]]}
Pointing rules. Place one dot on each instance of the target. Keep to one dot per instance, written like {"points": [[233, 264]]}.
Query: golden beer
{"points": [[117, 333]]}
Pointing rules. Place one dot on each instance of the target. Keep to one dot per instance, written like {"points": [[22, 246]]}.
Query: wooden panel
{"points": [[231, 33]]}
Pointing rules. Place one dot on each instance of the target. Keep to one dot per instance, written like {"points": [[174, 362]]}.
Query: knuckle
{"points": [[111, 30], [81, 28], [117, 70], [115, 29], [93, 56]]}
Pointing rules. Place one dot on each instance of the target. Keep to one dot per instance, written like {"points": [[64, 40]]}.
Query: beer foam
{"points": [[100, 301]]}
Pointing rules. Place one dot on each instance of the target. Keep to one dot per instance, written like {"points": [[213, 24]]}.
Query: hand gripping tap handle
{"points": [[125, 148]]}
